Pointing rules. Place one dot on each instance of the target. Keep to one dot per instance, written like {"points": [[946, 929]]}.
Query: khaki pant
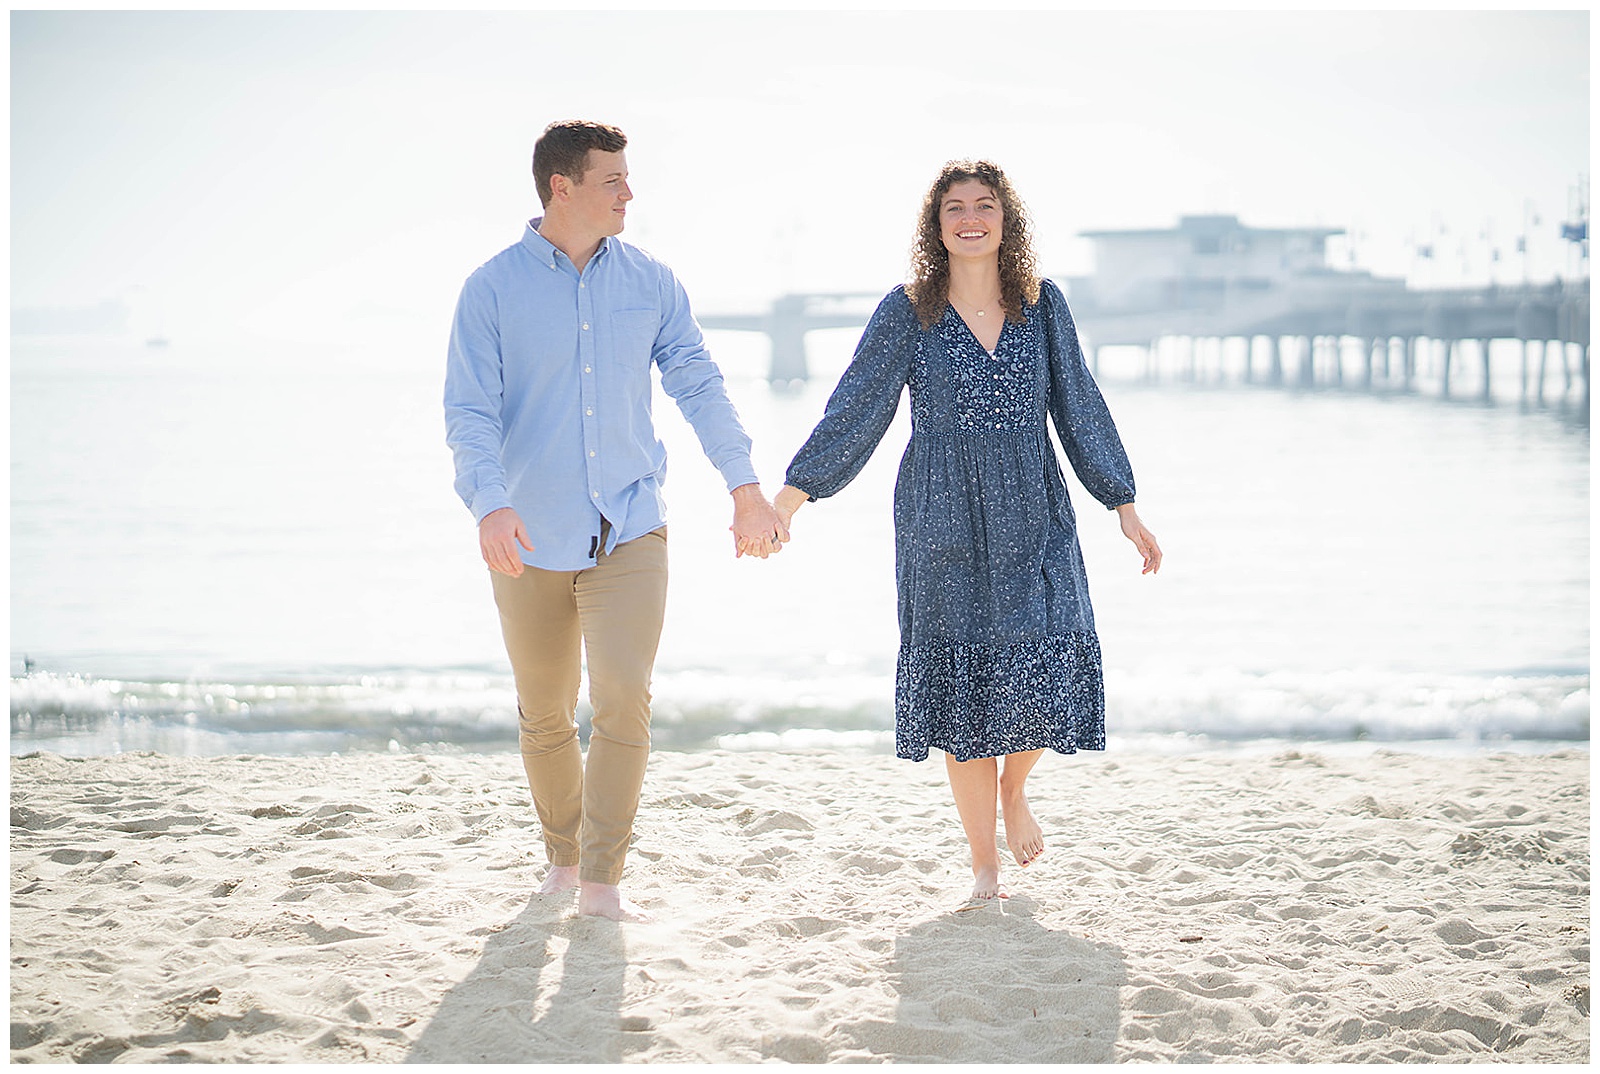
{"points": [[613, 610]]}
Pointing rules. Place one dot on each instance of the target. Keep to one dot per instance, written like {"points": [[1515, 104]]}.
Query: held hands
{"points": [[756, 528], [1145, 541], [498, 536]]}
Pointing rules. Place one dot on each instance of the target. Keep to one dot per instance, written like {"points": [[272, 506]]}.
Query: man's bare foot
{"points": [[1023, 834], [986, 884], [605, 900], [560, 878]]}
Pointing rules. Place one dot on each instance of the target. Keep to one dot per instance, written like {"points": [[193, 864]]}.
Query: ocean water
{"points": [[219, 550]]}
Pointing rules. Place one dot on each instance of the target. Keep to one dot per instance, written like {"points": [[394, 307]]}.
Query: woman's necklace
{"points": [[980, 311]]}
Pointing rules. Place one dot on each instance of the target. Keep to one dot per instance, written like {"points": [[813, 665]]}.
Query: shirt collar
{"points": [[544, 250]]}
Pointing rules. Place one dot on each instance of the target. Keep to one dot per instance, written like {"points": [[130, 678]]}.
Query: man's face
{"points": [[600, 202]]}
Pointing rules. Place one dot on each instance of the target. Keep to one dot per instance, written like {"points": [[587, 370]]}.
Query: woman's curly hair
{"points": [[929, 288]]}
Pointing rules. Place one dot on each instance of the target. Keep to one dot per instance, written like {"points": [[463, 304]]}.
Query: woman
{"points": [[998, 652]]}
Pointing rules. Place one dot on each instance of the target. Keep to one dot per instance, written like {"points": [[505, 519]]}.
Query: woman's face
{"points": [[970, 219]]}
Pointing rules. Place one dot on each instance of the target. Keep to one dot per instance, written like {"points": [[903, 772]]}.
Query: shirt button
{"points": [[586, 326], [595, 494], [586, 369], [582, 285], [590, 412], [591, 454]]}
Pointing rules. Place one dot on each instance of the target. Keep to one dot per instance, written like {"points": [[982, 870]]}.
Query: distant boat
{"points": [[156, 341]]}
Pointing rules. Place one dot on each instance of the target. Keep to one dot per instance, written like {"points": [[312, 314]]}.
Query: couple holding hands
{"points": [[547, 404]]}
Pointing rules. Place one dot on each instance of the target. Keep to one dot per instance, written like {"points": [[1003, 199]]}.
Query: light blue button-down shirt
{"points": [[548, 388]]}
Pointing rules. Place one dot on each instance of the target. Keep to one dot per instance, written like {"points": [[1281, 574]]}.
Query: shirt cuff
{"points": [[739, 472], [487, 501]]}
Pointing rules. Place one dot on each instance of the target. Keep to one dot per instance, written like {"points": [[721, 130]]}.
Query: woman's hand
{"points": [[1145, 541], [788, 500]]}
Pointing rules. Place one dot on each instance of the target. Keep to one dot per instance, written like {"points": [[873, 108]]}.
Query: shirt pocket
{"points": [[633, 335]]}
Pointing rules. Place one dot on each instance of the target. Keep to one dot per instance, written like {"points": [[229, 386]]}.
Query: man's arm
{"points": [[473, 389], [695, 383]]}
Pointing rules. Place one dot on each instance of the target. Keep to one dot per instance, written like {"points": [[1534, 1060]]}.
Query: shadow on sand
{"points": [[994, 985], [548, 989]]}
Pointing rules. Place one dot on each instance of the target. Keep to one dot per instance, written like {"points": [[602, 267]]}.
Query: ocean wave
{"points": [[82, 715]]}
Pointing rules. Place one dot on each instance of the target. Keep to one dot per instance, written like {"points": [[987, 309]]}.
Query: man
{"points": [[547, 409]]}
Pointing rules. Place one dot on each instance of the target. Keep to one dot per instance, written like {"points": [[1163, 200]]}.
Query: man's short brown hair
{"points": [[563, 149]]}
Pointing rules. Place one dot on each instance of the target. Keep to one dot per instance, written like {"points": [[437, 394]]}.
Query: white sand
{"points": [[1207, 907]]}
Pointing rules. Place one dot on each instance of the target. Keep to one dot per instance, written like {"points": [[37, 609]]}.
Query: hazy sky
{"points": [[310, 175]]}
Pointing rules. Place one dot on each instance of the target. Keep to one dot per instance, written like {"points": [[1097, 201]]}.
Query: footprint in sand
{"points": [[73, 856], [771, 820]]}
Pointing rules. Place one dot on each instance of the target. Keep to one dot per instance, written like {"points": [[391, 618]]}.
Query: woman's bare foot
{"points": [[986, 884], [605, 900], [560, 878], [1023, 834]]}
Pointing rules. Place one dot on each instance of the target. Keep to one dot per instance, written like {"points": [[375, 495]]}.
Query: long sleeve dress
{"points": [[998, 651]]}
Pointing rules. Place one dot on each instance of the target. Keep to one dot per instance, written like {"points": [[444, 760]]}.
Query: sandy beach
{"points": [[810, 907]]}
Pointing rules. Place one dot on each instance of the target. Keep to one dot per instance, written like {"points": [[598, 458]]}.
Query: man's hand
{"points": [[498, 536], [756, 529]]}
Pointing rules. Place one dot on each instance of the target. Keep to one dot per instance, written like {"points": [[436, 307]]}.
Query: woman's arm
{"points": [[1079, 411], [862, 405], [787, 502]]}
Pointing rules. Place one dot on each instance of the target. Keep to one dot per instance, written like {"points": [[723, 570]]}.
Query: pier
{"points": [[790, 318], [1307, 344]]}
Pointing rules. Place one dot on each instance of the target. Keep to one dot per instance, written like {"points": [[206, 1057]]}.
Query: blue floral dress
{"points": [[998, 651]]}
